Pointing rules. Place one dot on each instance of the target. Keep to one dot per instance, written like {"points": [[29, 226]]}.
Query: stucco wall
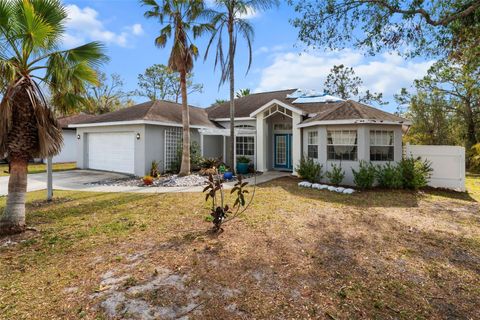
{"points": [[69, 148], [148, 148], [212, 146], [363, 146]]}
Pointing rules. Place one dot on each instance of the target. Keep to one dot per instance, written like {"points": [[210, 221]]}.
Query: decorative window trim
{"points": [[283, 126], [333, 147], [382, 148]]}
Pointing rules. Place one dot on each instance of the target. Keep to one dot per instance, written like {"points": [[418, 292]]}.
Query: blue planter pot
{"points": [[228, 175], [242, 168]]}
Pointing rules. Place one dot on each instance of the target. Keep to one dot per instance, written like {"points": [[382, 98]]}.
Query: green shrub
{"points": [[474, 159], [195, 157], [336, 175], [309, 170], [415, 172], [154, 171], [208, 163], [389, 176], [243, 159], [364, 178]]}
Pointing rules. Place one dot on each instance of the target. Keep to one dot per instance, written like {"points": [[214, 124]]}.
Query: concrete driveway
{"points": [[80, 180], [63, 180]]}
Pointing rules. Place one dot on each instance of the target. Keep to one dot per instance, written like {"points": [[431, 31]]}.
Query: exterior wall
{"points": [[154, 147], [69, 149], [363, 146], [212, 147], [150, 147]]}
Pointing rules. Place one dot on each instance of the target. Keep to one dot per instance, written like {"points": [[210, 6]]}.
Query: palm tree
{"points": [[242, 93], [180, 17], [232, 19], [30, 34]]}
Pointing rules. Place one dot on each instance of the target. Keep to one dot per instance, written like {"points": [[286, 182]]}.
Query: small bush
{"points": [[474, 159], [154, 171], [389, 176], [336, 175], [243, 159], [209, 163], [364, 178], [309, 170], [415, 172], [195, 158]]}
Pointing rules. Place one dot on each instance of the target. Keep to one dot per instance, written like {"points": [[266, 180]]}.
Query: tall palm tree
{"points": [[30, 35], [233, 19], [182, 18]]}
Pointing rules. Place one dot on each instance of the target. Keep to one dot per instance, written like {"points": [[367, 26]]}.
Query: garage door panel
{"points": [[113, 151]]}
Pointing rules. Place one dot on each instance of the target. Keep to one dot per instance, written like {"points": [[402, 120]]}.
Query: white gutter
{"points": [[356, 121], [236, 119], [132, 122]]}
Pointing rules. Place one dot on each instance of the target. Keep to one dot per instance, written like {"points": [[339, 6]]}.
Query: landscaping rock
{"points": [[348, 191]]}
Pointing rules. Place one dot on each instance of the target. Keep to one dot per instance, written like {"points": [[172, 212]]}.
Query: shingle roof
{"points": [[343, 110], [63, 122], [246, 105], [160, 110], [352, 110]]}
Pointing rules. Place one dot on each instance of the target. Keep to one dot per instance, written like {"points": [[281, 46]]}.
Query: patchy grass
{"points": [[296, 254], [41, 167]]}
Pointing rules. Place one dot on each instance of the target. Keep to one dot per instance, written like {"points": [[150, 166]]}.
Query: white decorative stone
{"points": [[331, 188], [315, 186], [339, 189], [348, 191], [324, 186]]}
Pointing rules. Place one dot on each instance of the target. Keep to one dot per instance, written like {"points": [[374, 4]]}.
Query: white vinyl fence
{"points": [[448, 164]]}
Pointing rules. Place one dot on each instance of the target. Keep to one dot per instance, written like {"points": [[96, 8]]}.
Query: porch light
{"points": [[138, 136], [78, 137]]}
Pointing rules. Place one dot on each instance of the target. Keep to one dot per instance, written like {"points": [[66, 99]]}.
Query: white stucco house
{"points": [[274, 129]]}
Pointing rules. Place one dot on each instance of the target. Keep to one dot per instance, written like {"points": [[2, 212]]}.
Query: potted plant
{"points": [[242, 164]]}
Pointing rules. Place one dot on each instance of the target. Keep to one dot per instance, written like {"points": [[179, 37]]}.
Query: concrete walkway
{"points": [[80, 180]]}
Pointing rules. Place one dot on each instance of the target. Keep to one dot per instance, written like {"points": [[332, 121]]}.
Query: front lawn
{"points": [[41, 167], [297, 253]]}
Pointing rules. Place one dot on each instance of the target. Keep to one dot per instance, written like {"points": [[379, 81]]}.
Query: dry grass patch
{"points": [[296, 254]]}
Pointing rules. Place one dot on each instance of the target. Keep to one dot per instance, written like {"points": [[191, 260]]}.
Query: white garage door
{"points": [[113, 151]]}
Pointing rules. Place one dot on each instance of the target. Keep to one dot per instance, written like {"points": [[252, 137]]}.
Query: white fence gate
{"points": [[448, 164]]}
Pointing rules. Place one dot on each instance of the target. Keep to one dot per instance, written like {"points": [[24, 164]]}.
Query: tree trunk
{"points": [[471, 126], [231, 70], [185, 166], [13, 219]]}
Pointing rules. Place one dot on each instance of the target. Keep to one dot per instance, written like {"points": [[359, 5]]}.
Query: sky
{"points": [[280, 61]]}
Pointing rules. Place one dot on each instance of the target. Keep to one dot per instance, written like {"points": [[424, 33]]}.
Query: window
{"points": [[245, 126], [312, 145], [381, 145], [342, 145], [245, 146], [173, 140], [282, 126]]}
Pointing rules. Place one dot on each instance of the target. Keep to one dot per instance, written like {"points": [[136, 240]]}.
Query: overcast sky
{"points": [[279, 61]]}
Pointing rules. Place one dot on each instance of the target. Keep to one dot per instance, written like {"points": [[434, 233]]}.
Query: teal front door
{"points": [[282, 151]]}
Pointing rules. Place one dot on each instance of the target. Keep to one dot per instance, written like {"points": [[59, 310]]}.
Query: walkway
{"points": [[80, 180]]}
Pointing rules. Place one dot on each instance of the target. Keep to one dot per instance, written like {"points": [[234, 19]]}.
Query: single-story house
{"points": [[274, 129]]}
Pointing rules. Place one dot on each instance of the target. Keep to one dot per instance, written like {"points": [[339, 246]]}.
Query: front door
{"points": [[283, 151]]}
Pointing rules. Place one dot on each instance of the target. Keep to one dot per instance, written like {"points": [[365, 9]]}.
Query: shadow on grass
{"points": [[368, 198]]}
